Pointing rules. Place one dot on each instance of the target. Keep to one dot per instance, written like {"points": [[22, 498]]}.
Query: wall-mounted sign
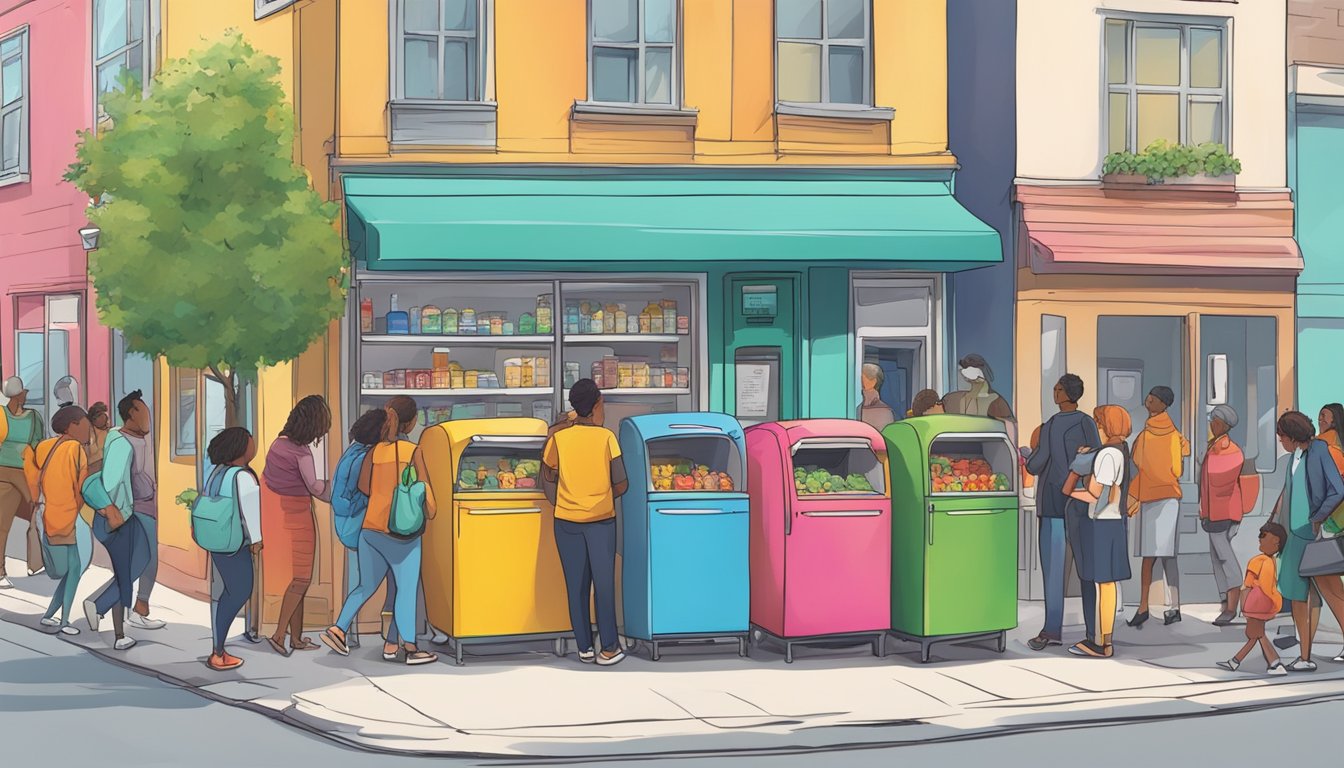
{"points": [[760, 301]]}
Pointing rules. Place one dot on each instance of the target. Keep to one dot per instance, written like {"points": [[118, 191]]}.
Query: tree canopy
{"points": [[215, 251]]}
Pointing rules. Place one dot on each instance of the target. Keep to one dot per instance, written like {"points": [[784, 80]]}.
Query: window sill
{"points": [[18, 178], [417, 122], [842, 111], [643, 113]]}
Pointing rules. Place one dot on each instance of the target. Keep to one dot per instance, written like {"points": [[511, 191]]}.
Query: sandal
{"points": [[335, 642], [304, 644], [414, 658], [278, 647]]}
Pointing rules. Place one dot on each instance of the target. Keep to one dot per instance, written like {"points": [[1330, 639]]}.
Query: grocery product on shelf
{"points": [[527, 325], [398, 322], [366, 315], [450, 322], [373, 380], [431, 320], [466, 322], [505, 475], [545, 315], [814, 480], [683, 475], [415, 320], [950, 475], [441, 358]]}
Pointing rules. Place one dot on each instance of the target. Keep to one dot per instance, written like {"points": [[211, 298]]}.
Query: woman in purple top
{"points": [[289, 485]]}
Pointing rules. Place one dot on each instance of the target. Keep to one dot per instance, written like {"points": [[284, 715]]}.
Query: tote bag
{"points": [[407, 517]]}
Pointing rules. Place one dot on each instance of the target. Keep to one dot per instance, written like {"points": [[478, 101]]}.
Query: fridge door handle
{"points": [[665, 511], [788, 518], [961, 512], [509, 511], [931, 518], [845, 513]]}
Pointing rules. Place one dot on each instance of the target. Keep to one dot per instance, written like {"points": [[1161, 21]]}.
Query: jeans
{"points": [[145, 562], [1051, 542], [129, 551], [235, 576], [65, 559], [380, 553], [1075, 527], [588, 558], [389, 595]]}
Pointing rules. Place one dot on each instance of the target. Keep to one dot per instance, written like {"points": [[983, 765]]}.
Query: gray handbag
{"points": [[1323, 557]]}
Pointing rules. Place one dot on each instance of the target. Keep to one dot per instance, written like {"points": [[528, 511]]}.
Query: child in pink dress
{"points": [[1261, 600]]}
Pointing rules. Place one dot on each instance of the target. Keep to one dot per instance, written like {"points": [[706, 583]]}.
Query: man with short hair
{"points": [[135, 417], [20, 432], [101, 420], [1061, 438]]}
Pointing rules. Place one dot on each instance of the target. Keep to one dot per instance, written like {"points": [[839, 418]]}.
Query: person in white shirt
{"points": [[1103, 558], [234, 448]]}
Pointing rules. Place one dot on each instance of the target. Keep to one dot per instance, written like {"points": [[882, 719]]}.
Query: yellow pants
{"points": [[1107, 594]]}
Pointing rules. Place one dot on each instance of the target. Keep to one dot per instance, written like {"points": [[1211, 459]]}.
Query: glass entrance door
{"points": [[903, 365]]}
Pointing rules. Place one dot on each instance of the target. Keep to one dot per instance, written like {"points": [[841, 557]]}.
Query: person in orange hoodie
{"points": [[56, 475], [1159, 453]]}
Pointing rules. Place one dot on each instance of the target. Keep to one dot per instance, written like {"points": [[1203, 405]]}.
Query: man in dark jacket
{"points": [[1061, 437]]}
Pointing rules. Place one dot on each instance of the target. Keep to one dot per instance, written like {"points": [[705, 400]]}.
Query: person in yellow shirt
{"points": [[583, 475], [1159, 454]]}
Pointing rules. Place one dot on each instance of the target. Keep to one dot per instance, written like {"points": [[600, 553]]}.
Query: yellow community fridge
{"points": [[491, 571]]}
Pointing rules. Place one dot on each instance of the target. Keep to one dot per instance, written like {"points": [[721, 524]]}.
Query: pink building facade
{"points": [[50, 52]]}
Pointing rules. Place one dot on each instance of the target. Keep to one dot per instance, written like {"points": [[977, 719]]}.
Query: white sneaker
{"points": [[1339, 659], [144, 622], [5, 583], [1277, 669], [1231, 665], [1302, 665], [69, 630], [39, 570], [609, 658], [587, 656], [124, 644], [50, 621], [91, 615]]}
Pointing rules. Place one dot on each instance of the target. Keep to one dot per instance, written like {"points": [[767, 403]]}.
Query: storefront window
{"points": [[895, 323], [1136, 354], [1239, 356], [131, 371], [1054, 360], [184, 412]]}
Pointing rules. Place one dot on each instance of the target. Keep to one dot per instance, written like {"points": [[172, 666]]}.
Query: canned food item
{"points": [[466, 322], [373, 380], [683, 378], [596, 374]]}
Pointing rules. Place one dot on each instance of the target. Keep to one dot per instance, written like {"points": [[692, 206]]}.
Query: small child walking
{"points": [[1261, 601]]}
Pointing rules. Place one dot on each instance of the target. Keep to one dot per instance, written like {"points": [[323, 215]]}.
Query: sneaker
{"points": [[1339, 659], [144, 622], [39, 570], [1232, 665], [5, 583], [610, 658], [1042, 641], [69, 630], [587, 657], [1277, 669], [124, 644], [91, 615], [1302, 665], [50, 621]]}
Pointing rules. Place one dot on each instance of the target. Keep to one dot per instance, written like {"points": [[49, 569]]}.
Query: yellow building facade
{"points": [[189, 403]]}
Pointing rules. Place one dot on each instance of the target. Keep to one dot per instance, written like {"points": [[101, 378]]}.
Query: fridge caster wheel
{"points": [[757, 637], [654, 653], [924, 653], [788, 653], [1003, 642], [742, 647], [558, 647], [457, 654]]}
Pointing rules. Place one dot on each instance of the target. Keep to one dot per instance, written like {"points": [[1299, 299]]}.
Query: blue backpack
{"points": [[216, 520], [348, 503]]}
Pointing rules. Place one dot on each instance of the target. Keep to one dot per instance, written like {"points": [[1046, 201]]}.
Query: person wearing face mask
{"points": [[980, 399]]}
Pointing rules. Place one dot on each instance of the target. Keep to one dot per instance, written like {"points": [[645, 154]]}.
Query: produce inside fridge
{"points": [[837, 468], [700, 463], [500, 464], [971, 464]]}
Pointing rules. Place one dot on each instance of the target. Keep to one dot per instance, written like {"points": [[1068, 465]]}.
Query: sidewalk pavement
{"points": [[523, 701]]}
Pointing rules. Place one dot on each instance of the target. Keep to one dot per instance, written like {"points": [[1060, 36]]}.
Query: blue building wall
{"points": [[982, 123], [1315, 169]]}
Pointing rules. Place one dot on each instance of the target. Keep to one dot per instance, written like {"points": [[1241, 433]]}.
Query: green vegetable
{"points": [[468, 478], [813, 485], [858, 482]]}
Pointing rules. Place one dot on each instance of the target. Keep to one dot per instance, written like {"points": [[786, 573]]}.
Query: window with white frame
{"points": [[439, 50], [14, 105], [1165, 80], [122, 42], [265, 8], [632, 52], [823, 51]]}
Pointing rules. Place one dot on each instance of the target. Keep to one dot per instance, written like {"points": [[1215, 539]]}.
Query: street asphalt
{"points": [[60, 705]]}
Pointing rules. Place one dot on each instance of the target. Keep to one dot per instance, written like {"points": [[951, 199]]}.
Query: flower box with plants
{"points": [[1162, 162]]}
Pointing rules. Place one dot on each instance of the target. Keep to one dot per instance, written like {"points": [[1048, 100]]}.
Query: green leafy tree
{"points": [[215, 251]]}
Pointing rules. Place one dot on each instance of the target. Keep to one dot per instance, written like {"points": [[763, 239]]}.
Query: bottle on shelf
{"points": [[545, 316], [622, 324], [527, 325], [398, 322], [415, 320], [366, 315]]}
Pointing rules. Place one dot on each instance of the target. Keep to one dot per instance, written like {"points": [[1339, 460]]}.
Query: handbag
{"points": [[407, 517], [1323, 557], [1259, 604]]}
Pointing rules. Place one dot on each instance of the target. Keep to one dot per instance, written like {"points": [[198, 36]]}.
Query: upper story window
{"points": [[440, 53], [121, 43], [1165, 80], [632, 52], [823, 51], [14, 105]]}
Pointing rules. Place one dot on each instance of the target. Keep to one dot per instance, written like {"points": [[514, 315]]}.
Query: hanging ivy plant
{"points": [[1163, 160]]}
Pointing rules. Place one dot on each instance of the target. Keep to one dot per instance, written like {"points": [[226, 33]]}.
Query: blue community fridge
{"points": [[685, 561]]}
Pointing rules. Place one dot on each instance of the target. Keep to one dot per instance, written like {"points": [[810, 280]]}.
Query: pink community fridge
{"points": [[820, 533]]}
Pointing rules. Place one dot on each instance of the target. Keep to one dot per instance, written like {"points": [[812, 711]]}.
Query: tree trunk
{"points": [[232, 396]]}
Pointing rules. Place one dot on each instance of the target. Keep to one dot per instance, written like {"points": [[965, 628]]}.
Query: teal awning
{"points": [[398, 222]]}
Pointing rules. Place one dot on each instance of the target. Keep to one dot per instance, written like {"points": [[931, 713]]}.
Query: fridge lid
{"points": [[512, 441], [831, 442]]}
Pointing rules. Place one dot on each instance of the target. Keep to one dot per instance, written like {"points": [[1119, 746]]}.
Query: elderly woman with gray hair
{"points": [[1221, 506], [872, 410]]}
